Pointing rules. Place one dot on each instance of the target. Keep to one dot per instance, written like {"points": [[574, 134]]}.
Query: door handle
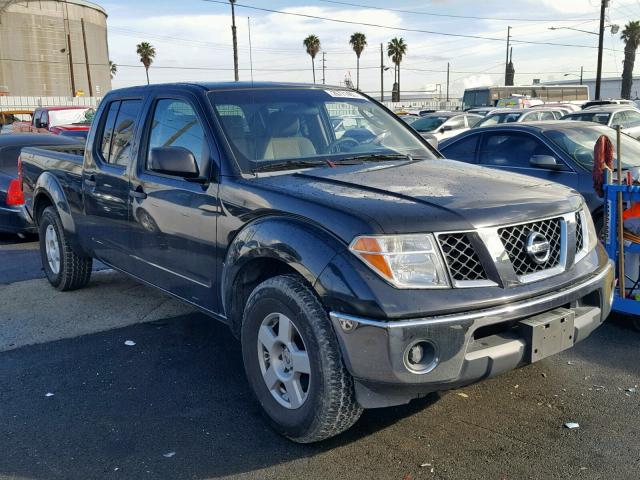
{"points": [[90, 181], [138, 193]]}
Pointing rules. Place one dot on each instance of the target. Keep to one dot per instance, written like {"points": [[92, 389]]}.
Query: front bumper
{"points": [[16, 220], [468, 346]]}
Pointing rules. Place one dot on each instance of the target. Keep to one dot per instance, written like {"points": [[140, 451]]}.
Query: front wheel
{"points": [[64, 268], [293, 362]]}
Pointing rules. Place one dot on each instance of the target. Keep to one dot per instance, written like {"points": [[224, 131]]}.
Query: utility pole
{"points": [[447, 81], [323, 68], [235, 39], [506, 62], [86, 57], [250, 52], [67, 26], [581, 72], [381, 73], [603, 7]]}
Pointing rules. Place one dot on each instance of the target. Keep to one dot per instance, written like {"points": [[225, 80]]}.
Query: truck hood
{"points": [[429, 195]]}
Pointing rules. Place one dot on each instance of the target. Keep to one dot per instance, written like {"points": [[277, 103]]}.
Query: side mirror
{"points": [[545, 161], [40, 124], [177, 161], [446, 128]]}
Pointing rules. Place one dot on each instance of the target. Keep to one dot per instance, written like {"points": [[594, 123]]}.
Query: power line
{"points": [[413, 30], [431, 14]]}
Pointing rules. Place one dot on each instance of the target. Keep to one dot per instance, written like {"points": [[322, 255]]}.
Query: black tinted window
{"points": [[463, 150], [175, 124], [107, 132], [123, 132], [511, 150]]}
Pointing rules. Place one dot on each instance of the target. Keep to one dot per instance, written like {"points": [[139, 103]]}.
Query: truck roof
{"points": [[212, 86]]}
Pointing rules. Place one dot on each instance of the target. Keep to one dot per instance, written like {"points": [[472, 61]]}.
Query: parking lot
{"points": [[176, 404]]}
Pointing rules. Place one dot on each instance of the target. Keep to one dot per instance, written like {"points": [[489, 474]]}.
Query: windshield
{"points": [[579, 143], [429, 124], [286, 128], [597, 117], [69, 117], [495, 118]]}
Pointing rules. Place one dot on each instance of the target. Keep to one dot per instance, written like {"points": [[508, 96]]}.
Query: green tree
{"points": [[358, 41], [396, 50], [147, 53], [113, 68], [631, 37], [312, 46]]}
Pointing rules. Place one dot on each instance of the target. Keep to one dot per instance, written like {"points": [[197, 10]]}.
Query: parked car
{"points": [[482, 111], [611, 116], [356, 275], [409, 118], [57, 120], [610, 101], [569, 107], [8, 117], [510, 115], [14, 217], [558, 151], [441, 125]]}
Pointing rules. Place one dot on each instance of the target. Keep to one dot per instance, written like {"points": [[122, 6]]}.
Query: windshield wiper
{"points": [[372, 157], [289, 165]]}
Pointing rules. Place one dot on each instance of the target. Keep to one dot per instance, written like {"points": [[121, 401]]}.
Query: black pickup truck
{"points": [[357, 271]]}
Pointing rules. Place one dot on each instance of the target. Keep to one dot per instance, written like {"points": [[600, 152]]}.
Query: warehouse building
{"points": [[53, 48]]}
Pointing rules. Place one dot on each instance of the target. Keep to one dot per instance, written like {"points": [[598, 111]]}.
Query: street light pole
{"points": [[603, 8], [235, 40], [381, 73]]}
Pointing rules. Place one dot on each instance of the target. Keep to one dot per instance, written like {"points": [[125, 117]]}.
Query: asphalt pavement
{"points": [[77, 402]]}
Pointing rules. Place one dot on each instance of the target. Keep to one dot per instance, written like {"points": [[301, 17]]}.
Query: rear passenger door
{"points": [[174, 219], [106, 181]]}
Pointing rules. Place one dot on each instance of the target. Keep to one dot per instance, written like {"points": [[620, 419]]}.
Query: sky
{"points": [[193, 40]]}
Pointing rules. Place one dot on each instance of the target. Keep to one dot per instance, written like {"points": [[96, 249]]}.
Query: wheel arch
{"points": [[270, 247]]}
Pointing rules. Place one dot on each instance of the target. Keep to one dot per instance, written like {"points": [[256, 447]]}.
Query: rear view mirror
{"points": [[545, 161], [176, 161]]}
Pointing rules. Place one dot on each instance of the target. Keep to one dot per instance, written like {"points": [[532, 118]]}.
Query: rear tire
{"points": [[304, 407], [64, 268]]}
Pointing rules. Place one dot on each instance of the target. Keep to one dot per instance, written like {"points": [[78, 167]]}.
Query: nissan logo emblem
{"points": [[538, 247]]}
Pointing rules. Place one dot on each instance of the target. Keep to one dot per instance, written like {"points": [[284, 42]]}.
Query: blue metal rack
{"points": [[631, 194]]}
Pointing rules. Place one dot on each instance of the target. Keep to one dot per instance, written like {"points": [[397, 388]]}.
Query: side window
{"points": [[530, 117], [107, 130], [472, 120], [456, 123], [547, 116], [463, 150], [633, 118], [123, 131], [44, 119], [511, 150], [175, 124], [617, 119], [36, 118]]}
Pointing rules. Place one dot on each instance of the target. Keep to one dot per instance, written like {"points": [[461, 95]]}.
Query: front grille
{"points": [[579, 233], [515, 239], [461, 257]]}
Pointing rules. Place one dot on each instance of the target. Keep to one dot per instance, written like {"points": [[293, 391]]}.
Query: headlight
{"points": [[592, 236], [406, 261]]}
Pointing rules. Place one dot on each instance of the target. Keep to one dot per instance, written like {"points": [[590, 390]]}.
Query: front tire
{"points": [[293, 362], [64, 268]]}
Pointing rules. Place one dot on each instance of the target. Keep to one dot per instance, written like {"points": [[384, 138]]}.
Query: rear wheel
{"points": [[293, 362], [64, 268]]}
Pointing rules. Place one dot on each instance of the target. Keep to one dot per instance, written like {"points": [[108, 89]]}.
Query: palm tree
{"points": [[631, 37], [147, 53], [396, 49], [312, 45], [358, 41], [113, 68]]}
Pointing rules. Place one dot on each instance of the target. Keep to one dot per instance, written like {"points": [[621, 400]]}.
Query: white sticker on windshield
{"points": [[343, 93]]}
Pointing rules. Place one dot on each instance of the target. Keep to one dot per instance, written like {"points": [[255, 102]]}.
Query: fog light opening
{"points": [[421, 356]]}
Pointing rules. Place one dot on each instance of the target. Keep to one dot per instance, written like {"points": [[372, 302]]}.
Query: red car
{"points": [[58, 120]]}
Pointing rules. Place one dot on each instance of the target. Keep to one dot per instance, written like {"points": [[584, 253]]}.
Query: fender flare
{"points": [[48, 185], [302, 245]]}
